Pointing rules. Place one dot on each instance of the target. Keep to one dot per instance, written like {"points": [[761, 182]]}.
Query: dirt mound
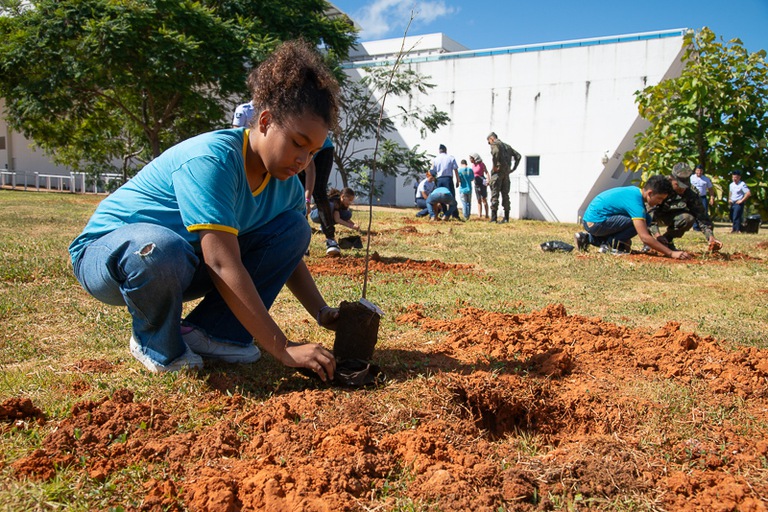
{"points": [[700, 258], [18, 412], [535, 411], [431, 271]]}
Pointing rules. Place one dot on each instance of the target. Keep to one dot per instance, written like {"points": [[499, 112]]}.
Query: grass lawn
{"points": [[50, 326]]}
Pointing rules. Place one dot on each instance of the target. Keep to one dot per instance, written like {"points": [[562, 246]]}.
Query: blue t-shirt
{"points": [[625, 201], [441, 195], [196, 185], [466, 177]]}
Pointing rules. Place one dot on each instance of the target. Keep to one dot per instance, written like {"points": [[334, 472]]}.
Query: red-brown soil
{"points": [[699, 258], [430, 271], [519, 411]]}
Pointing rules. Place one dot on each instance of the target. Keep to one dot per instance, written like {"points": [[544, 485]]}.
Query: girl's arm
{"points": [[222, 258], [303, 287], [338, 220]]}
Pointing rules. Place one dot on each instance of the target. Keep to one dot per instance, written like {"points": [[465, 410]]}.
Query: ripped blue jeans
{"points": [[153, 271]]}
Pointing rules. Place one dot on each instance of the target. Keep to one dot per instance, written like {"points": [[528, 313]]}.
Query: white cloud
{"points": [[389, 18]]}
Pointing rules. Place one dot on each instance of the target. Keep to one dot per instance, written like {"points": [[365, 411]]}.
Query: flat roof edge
{"points": [[558, 45]]}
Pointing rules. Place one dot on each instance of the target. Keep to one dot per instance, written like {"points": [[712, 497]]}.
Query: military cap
{"points": [[682, 173]]}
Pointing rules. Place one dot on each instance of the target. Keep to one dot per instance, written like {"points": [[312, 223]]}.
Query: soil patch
{"points": [[519, 411], [430, 271], [698, 258]]}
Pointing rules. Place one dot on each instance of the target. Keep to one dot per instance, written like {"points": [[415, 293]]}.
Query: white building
{"points": [[568, 107]]}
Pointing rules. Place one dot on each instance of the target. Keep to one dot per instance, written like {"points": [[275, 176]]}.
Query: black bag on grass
{"points": [[556, 246]]}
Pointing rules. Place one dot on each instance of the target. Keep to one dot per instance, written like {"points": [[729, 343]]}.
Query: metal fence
{"points": [[75, 182]]}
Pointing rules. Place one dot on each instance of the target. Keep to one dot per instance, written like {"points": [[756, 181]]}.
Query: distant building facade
{"points": [[568, 107]]}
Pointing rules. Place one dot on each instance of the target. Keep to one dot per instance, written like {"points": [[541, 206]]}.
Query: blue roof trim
{"points": [[522, 49]]}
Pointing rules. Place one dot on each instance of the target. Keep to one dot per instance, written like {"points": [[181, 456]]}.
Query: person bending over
{"points": [[617, 215]]}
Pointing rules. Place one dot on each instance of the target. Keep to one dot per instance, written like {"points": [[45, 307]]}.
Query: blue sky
{"points": [[479, 24]]}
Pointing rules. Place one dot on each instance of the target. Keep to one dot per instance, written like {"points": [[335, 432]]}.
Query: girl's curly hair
{"points": [[294, 80]]}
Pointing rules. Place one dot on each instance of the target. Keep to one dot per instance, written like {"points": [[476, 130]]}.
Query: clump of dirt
{"points": [[523, 411], [14, 410]]}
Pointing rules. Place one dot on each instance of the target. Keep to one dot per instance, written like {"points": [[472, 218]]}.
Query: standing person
{"points": [[340, 201], [426, 186], [616, 215], [315, 180], [466, 177], [502, 155], [738, 193], [680, 210], [220, 216], [703, 186], [445, 169], [481, 183]]}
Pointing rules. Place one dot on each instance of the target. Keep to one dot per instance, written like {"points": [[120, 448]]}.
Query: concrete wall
{"points": [[570, 104]]}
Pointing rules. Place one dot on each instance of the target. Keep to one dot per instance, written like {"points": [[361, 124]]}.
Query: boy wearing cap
{"points": [[679, 211], [738, 193]]}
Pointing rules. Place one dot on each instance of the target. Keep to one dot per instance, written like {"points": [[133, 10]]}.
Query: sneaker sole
{"points": [[188, 360], [203, 345], [252, 358]]}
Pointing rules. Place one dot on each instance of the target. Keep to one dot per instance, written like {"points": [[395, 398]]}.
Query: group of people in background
{"points": [[678, 202], [436, 193]]}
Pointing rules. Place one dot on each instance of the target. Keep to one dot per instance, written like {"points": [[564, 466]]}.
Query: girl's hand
{"points": [[312, 356], [680, 255], [328, 317]]}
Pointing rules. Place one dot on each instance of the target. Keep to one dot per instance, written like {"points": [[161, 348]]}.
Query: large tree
{"points": [[363, 121], [715, 114], [95, 81]]}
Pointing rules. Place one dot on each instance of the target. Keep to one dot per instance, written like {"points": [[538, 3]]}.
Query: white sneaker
{"points": [[203, 344], [186, 360], [332, 248]]}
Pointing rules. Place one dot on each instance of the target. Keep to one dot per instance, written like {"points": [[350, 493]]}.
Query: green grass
{"points": [[48, 323]]}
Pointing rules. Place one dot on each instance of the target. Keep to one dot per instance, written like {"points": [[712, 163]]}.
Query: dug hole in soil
{"points": [[536, 411]]}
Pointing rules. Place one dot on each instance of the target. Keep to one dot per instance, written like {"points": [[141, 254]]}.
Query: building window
{"points": [[2, 143], [532, 165]]}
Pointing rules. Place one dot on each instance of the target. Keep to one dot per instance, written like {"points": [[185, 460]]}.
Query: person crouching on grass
{"points": [[340, 201], [220, 216], [616, 215]]}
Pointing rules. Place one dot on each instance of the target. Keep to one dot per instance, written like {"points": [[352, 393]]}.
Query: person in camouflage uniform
{"points": [[680, 211], [502, 155]]}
